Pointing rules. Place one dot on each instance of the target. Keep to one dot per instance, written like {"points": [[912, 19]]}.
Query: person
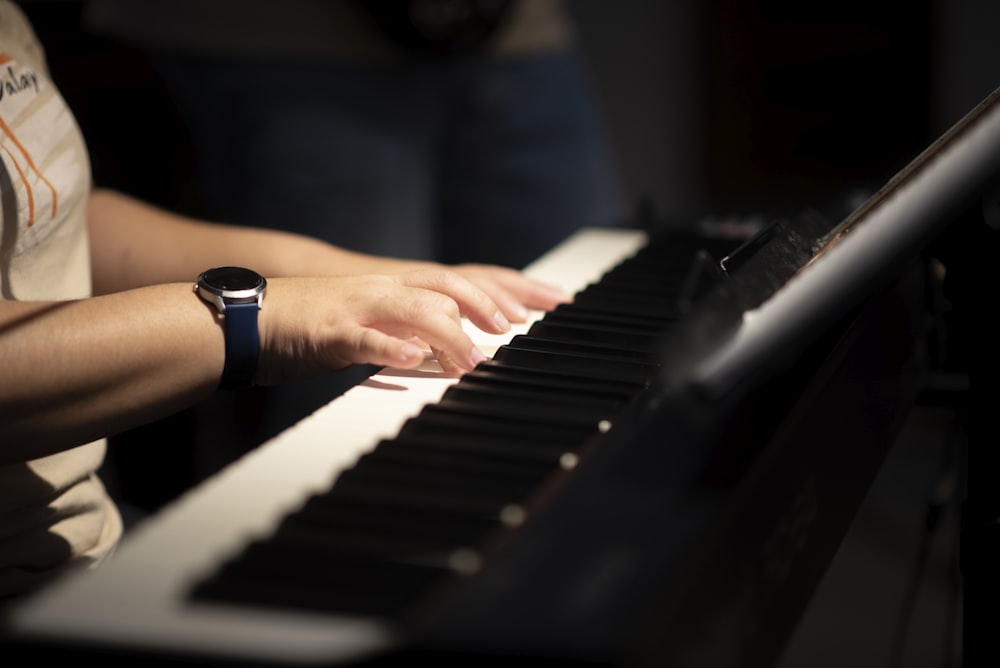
{"points": [[102, 327]]}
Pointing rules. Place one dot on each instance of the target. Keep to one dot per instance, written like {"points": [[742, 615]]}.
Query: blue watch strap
{"points": [[242, 346]]}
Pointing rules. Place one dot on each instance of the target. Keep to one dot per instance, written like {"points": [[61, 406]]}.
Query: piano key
{"points": [[593, 333], [523, 402], [535, 459], [319, 580], [529, 414], [522, 399], [574, 312], [327, 513], [368, 486], [432, 475], [466, 461], [433, 432], [494, 371], [536, 427], [427, 534], [661, 309], [581, 365], [610, 351]]}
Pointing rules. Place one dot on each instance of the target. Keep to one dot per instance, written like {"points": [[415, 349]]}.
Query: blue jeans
{"points": [[457, 161]]}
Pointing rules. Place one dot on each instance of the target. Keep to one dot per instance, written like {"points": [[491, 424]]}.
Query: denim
{"points": [[464, 160]]}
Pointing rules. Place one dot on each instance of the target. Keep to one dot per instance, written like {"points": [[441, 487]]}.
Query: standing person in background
{"points": [[452, 130]]}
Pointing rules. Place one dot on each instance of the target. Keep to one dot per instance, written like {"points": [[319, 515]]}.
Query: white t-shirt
{"points": [[54, 512]]}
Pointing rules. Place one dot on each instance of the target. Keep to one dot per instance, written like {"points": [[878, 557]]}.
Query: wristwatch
{"points": [[238, 294]]}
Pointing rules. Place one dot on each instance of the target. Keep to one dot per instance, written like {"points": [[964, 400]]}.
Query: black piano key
{"points": [[594, 334], [451, 435], [610, 306], [379, 543], [295, 576], [661, 308], [427, 537], [440, 477], [516, 432], [609, 351], [326, 513], [580, 312], [634, 285], [534, 458], [358, 484], [576, 364], [495, 371], [528, 413], [635, 289], [541, 389], [466, 461], [523, 400]]}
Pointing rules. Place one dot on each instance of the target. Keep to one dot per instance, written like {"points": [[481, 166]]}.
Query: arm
{"points": [[147, 346], [78, 370], [135, 244]]}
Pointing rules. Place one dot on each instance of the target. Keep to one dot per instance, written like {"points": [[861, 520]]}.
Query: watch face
{"points": [[232, 279]]}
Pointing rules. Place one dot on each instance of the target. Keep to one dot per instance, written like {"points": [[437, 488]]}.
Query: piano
{"points": [[656, 474]]}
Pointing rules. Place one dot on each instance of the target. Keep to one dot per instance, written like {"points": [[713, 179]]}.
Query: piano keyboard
{"points": [[414, 509], [313, 546]]}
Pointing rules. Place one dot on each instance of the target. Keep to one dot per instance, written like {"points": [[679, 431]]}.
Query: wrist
{"points": [[237, 295]]}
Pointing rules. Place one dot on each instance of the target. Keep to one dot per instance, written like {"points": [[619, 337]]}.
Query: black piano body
{"points": [[698, 515]]}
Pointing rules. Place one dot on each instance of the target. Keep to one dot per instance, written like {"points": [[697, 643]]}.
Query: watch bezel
{"points": [[212, 287]]}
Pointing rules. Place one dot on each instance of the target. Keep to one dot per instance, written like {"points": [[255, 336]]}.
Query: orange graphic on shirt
{"points": [[26, 156]]}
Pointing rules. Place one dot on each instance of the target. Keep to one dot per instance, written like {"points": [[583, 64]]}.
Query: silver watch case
{"points": [[231, 285]]}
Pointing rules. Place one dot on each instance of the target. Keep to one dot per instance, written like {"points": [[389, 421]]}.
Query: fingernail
{"points": [[476, 356], [561, 293], [501, 321], [410, 352]]}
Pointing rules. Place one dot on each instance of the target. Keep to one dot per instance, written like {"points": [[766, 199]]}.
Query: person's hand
{"points": [[309, 326], [513, 291]]}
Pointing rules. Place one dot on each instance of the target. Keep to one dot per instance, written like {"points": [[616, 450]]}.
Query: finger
{"points": [[510, 305], [472, 302], [513, 291], [441, 329], [448, 365], [368, 345], [424, 318]]}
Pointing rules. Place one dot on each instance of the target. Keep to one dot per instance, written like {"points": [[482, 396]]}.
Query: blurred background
{"points": [[712, 107]]}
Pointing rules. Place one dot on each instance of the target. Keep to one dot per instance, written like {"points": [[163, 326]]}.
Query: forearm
{"points": [[78, 370], [134, 244]]}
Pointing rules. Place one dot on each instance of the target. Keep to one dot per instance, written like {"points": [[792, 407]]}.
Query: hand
{"points": [[512, 290], [310, 326]]}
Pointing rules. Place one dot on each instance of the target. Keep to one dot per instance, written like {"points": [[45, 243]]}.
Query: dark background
{"points": [[713, 106]]}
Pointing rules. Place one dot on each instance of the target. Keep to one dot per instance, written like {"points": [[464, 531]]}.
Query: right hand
{"points": [[315, 325]]}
